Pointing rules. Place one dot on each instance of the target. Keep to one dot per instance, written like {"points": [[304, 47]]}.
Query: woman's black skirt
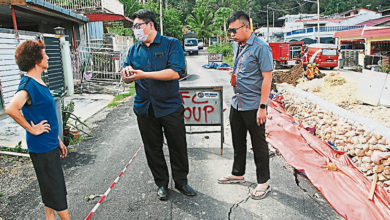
{"points": [[51, 179]]}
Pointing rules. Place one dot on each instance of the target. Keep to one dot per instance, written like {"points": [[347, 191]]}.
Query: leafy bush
{"points": [[67, 111], [385, 68], [225, 48]]}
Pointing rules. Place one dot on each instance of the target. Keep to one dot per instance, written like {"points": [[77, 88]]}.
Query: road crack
{"points": [[235, 205], [315, 197], [297, 180]]}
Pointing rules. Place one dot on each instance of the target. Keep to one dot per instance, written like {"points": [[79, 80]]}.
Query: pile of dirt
{"points": [[334, 79], [291, 76]]}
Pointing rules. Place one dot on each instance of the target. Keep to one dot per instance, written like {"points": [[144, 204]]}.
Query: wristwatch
{"points": [[263, 106]]}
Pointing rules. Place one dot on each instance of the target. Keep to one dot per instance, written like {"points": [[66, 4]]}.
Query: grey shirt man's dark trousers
{"points": [[151, 129], [240, 123]]}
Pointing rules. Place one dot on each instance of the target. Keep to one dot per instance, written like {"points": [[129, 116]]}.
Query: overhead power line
{"points": [[282, 10]]}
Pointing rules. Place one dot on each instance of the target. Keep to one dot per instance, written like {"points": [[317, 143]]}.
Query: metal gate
{"points": [[351, 58], [101, 62], [54, 75], [101, 59]]}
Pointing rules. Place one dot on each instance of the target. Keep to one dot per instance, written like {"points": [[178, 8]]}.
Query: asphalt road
{"points": [[96, 163]]}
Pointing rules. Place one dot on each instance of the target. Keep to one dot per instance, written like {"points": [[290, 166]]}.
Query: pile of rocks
{"points": [[370, 151]]}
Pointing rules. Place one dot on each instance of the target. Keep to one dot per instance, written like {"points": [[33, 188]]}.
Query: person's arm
{"points": [[174, 69], [63, 149], [127, 68], [13, 110], [266, 67], [167, 74], [265, 91]]}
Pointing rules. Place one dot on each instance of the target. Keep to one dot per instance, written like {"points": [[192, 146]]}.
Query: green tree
{"points": [[201, 20], [172, 23], [184, 6], [171, 19], [130, 6], [221, 17]]}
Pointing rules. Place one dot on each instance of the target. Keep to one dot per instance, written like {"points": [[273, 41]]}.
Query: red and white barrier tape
{"points": [[112, 186]]}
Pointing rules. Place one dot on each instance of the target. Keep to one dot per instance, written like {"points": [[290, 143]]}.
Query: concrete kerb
{"points": [[373, 126]]}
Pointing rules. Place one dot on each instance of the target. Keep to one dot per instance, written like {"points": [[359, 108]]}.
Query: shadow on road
{"points": [[191, 77]]}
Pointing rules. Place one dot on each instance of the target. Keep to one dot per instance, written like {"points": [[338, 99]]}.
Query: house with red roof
{"points": [[371, 41]]}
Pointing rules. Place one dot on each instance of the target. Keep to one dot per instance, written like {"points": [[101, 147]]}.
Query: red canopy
{"points": [[377, 33], [348, 33], [107, 17]]}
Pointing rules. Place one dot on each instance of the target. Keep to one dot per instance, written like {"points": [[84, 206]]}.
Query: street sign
{"points": [[203, 107], [215, 57]]}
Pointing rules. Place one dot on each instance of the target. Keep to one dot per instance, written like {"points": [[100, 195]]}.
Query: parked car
{"points": [[213, 40], [200, 45], [190, 43], [324, 55]]}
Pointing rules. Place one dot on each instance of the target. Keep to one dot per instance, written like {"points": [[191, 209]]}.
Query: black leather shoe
{"points": [[162, 193], [186, 190]]}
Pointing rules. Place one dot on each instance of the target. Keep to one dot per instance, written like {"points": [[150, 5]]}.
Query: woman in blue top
{"points": [[39, 118]]}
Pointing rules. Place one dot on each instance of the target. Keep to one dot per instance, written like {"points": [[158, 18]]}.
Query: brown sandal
{"points": [[230, 180], [265, 192]]}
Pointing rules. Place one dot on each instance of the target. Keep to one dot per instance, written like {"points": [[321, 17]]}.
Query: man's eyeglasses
{"points": [[138, 25], [234, 30]]}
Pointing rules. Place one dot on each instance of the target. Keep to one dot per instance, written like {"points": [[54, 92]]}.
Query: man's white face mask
{"points": [[140, 35]]}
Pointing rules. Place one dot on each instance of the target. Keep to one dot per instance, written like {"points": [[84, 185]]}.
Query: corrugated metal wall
{"points": [[9, 71]]}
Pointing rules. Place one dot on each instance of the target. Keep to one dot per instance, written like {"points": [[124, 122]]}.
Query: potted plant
{"points": [[67, 111]]}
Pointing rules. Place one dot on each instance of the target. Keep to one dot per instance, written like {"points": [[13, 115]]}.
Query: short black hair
{"points": [[238, 15], [147, 16]]}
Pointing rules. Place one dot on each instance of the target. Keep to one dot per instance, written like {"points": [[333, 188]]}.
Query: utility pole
{"points": [[161, 19], [318, 22], [267, 26], [166, 4], [273, 18]]}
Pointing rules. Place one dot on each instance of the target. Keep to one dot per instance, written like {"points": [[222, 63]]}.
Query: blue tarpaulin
{"points": [[222, 66]]}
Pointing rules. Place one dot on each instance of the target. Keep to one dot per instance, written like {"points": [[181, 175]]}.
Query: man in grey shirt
{"points": [[251, 81]]}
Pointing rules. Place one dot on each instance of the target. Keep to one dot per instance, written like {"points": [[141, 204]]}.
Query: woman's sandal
{"points": [[230, 180], [265, 192]]}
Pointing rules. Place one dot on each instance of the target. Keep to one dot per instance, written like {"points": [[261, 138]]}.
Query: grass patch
{"points": [[118, 98], [17, 148], [1, 194], [112, 105], [74, 141]]}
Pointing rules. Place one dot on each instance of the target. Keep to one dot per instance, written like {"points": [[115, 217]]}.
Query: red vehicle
{"points": [[286, 53], [324, 55]]}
